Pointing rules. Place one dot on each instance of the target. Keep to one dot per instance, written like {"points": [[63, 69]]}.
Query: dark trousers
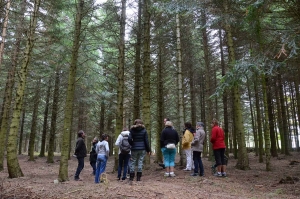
{"points": [[79, 167], [220, 156], [123, 161], [198, 163], [93, 164]]}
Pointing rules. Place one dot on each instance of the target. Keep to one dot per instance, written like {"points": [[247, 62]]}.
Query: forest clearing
{"points": [[97, 66], [39, 176]]}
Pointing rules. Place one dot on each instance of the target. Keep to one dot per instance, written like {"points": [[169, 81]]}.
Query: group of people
{"points": [[137, 137]]}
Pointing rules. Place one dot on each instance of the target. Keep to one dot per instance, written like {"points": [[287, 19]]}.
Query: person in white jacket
{"points": [[123, 156], [102, 150]]}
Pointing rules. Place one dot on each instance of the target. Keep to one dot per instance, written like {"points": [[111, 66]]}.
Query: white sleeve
{"points": [[107, 149], [118, 141]]}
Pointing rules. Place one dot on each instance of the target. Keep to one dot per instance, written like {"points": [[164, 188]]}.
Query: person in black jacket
{"points": [[138, 139], [93, 155], [168, 141], [80, 153]]}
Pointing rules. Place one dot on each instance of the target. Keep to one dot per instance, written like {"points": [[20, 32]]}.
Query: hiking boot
{"points": [[172, 174], [131, 178], [138, 176], [194, 174], [218, 174]]}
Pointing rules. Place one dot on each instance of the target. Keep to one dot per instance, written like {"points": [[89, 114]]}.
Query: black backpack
{"points": [[125, 147]]}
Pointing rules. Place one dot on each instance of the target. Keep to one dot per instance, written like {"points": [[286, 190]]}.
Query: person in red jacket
{"points": [[217, 140]]}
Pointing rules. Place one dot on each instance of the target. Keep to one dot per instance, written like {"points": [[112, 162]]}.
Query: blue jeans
{"points": [[101, 164], [137, 157], [79, 167], [169, 156], [198, 162], [123, 161]]}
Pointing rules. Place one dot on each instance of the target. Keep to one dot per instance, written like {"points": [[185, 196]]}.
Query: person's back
{"points": [[138, 140]]}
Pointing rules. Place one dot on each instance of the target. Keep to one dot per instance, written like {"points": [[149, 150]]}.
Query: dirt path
{"points": [[255, 183]]}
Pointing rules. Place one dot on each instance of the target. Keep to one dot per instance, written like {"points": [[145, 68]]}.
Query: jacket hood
{"points": [[125, 133], [138, 126]]}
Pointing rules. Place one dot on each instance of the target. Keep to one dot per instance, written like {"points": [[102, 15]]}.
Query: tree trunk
{"points": [[63, 167], [160, 103], [243, 161], [147, 74], [271, 119], [267, 127], [284, 116], [51, 145], [13, 166], [208, 79], [4, 29], [259, 125], [179, 84], [252, 118], [296, 83], [224, 98], [45, 123], [21, 132], [137, 65], [279, 118], [34, 121], [121, 85], [10, 82]]}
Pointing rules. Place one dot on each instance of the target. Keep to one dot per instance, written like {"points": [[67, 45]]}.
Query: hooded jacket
{"points": [[80, 150], [217, 138], [197, 143], [138, 138], [120, 138], [187, 139], [102, 148]]}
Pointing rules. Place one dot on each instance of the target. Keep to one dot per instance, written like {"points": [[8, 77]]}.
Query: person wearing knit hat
{"points": [[197, 149]]}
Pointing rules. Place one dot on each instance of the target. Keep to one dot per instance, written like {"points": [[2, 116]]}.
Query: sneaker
{"points": [[172, 174], [77, 179], [202, 175], [166, 174], [224, 174], [186, 169], [218, 174], [194, 174]]}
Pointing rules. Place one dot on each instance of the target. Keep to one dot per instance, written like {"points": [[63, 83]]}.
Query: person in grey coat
{"points": [[197, 148]]}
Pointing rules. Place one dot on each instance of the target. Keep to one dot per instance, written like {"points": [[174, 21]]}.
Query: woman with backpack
{"points": [[124, 152], [138, 140]]}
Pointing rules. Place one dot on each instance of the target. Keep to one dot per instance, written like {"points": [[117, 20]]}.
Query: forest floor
{"points": [[39, 176]]}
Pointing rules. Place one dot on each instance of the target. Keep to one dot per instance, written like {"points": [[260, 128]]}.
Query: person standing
{"points": [[186, 145], [197, 148], [138, 140], [162, 164], [93, 155], [80, 153], [168, 141], [102, 149], [123, 156], [217, 140]]}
